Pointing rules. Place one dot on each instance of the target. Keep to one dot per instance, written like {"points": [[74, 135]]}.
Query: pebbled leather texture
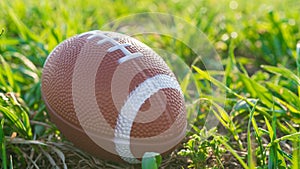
{"points": [[85, 87]]}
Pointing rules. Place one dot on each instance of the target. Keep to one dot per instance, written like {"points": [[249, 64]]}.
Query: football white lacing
{"points": [[117, 46]]}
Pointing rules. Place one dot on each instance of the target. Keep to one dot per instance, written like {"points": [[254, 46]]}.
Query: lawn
{"points": [[257, 125]]}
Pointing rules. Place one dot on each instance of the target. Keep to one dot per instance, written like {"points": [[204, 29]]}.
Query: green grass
{"points": [[257, 41]]}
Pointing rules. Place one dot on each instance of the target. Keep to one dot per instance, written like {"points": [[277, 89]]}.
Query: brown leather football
{"points": [[113, 96]]}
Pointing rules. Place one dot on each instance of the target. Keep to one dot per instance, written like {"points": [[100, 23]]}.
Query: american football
{"points": [[113, 96]]}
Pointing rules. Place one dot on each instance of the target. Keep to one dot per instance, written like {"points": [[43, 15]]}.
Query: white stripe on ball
{"points": [[131, 107]]}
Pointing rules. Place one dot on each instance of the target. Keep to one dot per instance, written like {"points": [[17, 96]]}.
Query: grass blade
{"points": [[231, 64], [227, 122], [3, 147], [296, 154], [274, 145], [8, 73], [284, 93], [232, 151], [60, 155], [13, 118], [259, 140], [50, 159], [281, 160], [151, 160], [287, 105], [283, 72], [298, 58], [292, 137], [257, 90], [251, 163], [272, 159], [276, 159], [2, 31], [11, 164]]}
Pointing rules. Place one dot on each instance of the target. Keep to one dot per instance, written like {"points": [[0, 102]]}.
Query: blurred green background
{"points": [[264, 31]]}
